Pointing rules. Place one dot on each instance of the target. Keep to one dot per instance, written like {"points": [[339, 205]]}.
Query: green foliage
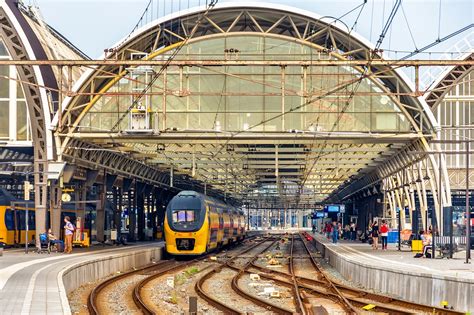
{"points": [[191, 271], [173, 298]]}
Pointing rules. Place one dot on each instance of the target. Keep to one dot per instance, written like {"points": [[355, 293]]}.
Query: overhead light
{"points": [[419, 180], [384, 100], [218, 126], [21, 164], [426, 177]]}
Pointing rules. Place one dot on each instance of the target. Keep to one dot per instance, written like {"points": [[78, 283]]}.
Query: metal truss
{"points": [[95, 157], [166, 34], [239, 163], [178, 62], [447, 81], [36, 110], [406, 173], [234, 171]]}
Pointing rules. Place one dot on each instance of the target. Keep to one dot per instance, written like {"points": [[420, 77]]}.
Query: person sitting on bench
{"points": [[427, 241], [53, 241]]}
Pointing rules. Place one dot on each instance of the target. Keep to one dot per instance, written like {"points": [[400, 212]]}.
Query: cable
{"points": [[389, 22], [358, 83], [372, 20], [409, 28], [168, 61], [439, 20], [438, 41]]}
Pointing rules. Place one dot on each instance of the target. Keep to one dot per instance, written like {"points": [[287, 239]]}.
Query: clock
{"points": [[65, 197]]}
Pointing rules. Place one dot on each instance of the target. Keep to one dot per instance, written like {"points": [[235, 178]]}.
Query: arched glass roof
{"points": [[244, 105]]}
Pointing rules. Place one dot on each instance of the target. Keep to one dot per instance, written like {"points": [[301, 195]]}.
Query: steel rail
{"points": [[296, 288], [356, 295], [137, 291], [321, 290], [211, 300], [235, 286], [92, 300], [316, 266], [359, 297]]}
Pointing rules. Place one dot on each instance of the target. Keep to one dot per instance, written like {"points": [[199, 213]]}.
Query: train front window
{"points": [[184, 216]]}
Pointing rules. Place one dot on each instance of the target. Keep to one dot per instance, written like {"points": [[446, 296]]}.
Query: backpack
{"points": [[384, 228], [43, 238], [72, 226]]}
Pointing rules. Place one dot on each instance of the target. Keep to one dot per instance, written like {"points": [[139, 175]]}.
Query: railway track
{"points": [[322, 286], [152, 272], [93, 303], [221, 306], [350, 299]]}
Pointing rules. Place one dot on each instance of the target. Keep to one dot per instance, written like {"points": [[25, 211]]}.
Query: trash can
{"points": [[416, 246]]}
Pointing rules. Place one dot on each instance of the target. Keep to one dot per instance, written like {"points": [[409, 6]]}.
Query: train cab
{"points": [[186, 224]]}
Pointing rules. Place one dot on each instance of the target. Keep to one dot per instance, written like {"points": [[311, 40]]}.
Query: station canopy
{"points": [[240, 103]]}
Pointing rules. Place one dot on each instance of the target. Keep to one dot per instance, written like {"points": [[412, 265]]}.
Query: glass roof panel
{"points": [[238, 98]]}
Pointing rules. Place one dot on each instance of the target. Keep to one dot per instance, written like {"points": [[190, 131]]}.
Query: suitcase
{"points": [[59, 247]]}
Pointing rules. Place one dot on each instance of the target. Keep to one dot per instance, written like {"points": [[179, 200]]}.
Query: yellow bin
{"points": [[416, 246]]}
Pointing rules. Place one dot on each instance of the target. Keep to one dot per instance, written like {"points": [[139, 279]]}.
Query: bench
{"points": [[442, 244]]}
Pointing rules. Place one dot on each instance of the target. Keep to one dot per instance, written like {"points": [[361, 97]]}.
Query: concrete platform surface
{"points": [[33, 283], [403, 260], [423, 280]]}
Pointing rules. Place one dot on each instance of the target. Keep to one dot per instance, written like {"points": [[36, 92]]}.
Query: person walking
{"points": [[375, 235], [335, 232], [384, 234], [68, 232]]}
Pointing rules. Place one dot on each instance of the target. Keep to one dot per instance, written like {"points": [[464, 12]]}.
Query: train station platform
{"points": [[398, 273], [39, 283]]}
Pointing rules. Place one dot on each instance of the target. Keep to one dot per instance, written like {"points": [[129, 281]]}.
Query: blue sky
{"points": [[94, 25]]}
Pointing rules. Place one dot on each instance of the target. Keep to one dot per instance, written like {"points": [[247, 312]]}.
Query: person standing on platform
{"points": [[375, 235], [68, 232], [328, 229], [352, 230], [384, 234], [335, 232]]}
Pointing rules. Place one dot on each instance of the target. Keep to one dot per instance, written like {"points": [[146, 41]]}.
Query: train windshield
{"points": [[184, 216]]}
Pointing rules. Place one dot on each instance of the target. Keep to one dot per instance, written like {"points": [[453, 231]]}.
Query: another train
{"points": [[13, 219], [196, 224]]}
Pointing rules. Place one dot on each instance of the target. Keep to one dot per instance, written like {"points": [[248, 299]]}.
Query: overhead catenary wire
{"points": [[358, 83], [176, 51], [409, 28], [438, 41]]}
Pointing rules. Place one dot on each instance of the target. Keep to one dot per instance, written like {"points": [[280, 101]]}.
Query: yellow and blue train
{"points": [[13, 219], [196, 224]]}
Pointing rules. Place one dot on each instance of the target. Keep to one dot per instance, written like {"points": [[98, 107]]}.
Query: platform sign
{"points": [[332, 209]]}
